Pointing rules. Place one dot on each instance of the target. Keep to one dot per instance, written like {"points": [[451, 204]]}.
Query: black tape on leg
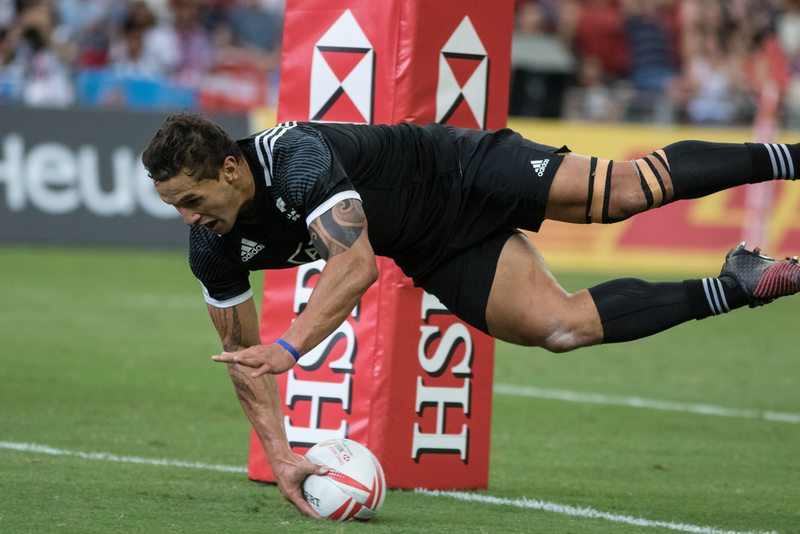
{"points": [[658, 179], [607, 197], [592, 168], [648, 194]]}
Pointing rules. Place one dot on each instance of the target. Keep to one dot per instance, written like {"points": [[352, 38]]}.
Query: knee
{"points": [[627, 199], [567, 338], [558, 332]]}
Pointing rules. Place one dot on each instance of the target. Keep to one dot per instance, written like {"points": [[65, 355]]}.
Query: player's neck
{"points": [[247, 186]]}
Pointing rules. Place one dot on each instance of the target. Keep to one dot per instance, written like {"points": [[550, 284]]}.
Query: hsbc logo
{"points": [[461, 95], [343, 74]]}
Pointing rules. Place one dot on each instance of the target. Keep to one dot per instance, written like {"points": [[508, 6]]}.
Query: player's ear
{"points": [[230, 169]]}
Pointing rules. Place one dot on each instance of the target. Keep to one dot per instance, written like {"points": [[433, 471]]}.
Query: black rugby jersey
{"points": [[403, 175], [295, 182]]}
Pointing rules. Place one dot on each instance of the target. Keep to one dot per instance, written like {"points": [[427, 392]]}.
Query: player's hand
{"points": [[290, 472], [272, 359]]}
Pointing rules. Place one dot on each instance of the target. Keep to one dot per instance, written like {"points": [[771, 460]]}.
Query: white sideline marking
{"points": [[460, 495], [637, 402], [32, 447], [579, 511]]}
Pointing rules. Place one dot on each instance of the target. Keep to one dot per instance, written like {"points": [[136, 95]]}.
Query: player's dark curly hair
{"points": [[190, 143]]}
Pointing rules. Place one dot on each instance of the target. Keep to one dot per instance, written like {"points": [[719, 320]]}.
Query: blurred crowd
{"points": [[716, 62], [667, 61], [211, 54]]}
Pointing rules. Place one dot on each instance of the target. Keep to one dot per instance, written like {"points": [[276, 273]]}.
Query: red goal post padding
{"points": [[402, 375]]}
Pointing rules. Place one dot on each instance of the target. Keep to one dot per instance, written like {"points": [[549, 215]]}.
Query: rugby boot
{"points": [[762, 278]]}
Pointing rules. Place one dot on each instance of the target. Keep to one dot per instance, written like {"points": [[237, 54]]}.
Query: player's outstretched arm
{"points": [[238, 329], [340, 237]]}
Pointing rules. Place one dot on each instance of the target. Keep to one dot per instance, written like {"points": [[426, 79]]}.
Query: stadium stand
{"points": [[702, 62], [216, 55]]}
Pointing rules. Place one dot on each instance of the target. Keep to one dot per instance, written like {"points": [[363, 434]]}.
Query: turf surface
{"points": [[109, 351]]}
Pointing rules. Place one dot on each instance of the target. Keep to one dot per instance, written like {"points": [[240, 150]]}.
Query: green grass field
{"points": [[105, 351]]}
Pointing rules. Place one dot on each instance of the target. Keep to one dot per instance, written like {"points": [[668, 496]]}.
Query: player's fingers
{"points": [[264, 369], [240, 357], [275, 366], [225, 357], [302, 506], [320, 470]]}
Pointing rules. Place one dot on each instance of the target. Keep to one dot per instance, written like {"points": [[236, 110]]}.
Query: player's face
{"points": [[213, 204]]}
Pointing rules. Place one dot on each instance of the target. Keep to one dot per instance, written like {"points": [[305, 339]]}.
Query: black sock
{"points": [[699, 168], [632, 309], [714, 296]]}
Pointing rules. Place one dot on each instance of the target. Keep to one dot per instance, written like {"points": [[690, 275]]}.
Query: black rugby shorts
{"points": [[507, 180]]}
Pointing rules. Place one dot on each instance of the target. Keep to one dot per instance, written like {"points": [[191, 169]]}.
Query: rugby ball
{"points": [[354, 486]]}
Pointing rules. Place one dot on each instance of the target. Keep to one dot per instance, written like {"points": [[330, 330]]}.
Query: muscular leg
{"points": [[594, 190], [527, 306], [569, 194]]}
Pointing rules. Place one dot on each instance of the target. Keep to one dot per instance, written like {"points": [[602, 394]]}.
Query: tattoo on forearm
{"points": [[241, 383], [244, 400], [235, 339], [218, 318], [338, 229], [221, 318]]}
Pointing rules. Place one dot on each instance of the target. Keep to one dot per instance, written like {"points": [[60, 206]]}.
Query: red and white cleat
{"points": [[763, 278]]}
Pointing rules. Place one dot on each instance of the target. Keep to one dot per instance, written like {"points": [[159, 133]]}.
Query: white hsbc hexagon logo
{"points": [[461, 95], [343, 74]]}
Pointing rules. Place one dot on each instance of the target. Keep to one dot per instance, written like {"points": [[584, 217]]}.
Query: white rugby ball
{"points": [[354, 487]]}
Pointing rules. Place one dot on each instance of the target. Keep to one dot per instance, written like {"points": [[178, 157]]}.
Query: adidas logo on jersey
{"points": [[250, 249], [539, 165]]}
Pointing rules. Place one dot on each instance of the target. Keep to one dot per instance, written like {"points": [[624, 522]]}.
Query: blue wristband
{"points": [[291, 349]]}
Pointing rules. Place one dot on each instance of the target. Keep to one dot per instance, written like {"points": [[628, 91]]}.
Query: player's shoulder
{"points": [[280, 135]]}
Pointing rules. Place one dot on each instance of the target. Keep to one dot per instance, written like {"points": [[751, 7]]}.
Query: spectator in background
{"points": [[85, 27], [653, 53], [216, 12], [593, 99], [713, 84], [254, 27], [8, 11], [594, 28], [161, 10], [32, 65], [541, 64], [788, 26], [183, 47], [194, 42], [766, 68], [128, 56]]}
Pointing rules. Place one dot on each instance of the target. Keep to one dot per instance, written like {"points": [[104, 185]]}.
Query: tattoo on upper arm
{"points": [[221, 317], [335, 231]]}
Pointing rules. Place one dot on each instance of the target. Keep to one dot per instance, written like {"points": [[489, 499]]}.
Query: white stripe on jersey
{"points": [[227, 303], [265, 144], [330, 203]]}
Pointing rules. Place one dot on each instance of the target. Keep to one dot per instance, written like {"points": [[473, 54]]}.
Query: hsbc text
{"points": [[442, 398]]}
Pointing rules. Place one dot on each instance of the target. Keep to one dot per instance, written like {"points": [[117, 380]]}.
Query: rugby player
{"points": [[446, 205]]}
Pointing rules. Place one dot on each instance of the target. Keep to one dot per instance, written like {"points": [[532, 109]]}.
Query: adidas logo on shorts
{"points": [[250, 249], [539, 165]]}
